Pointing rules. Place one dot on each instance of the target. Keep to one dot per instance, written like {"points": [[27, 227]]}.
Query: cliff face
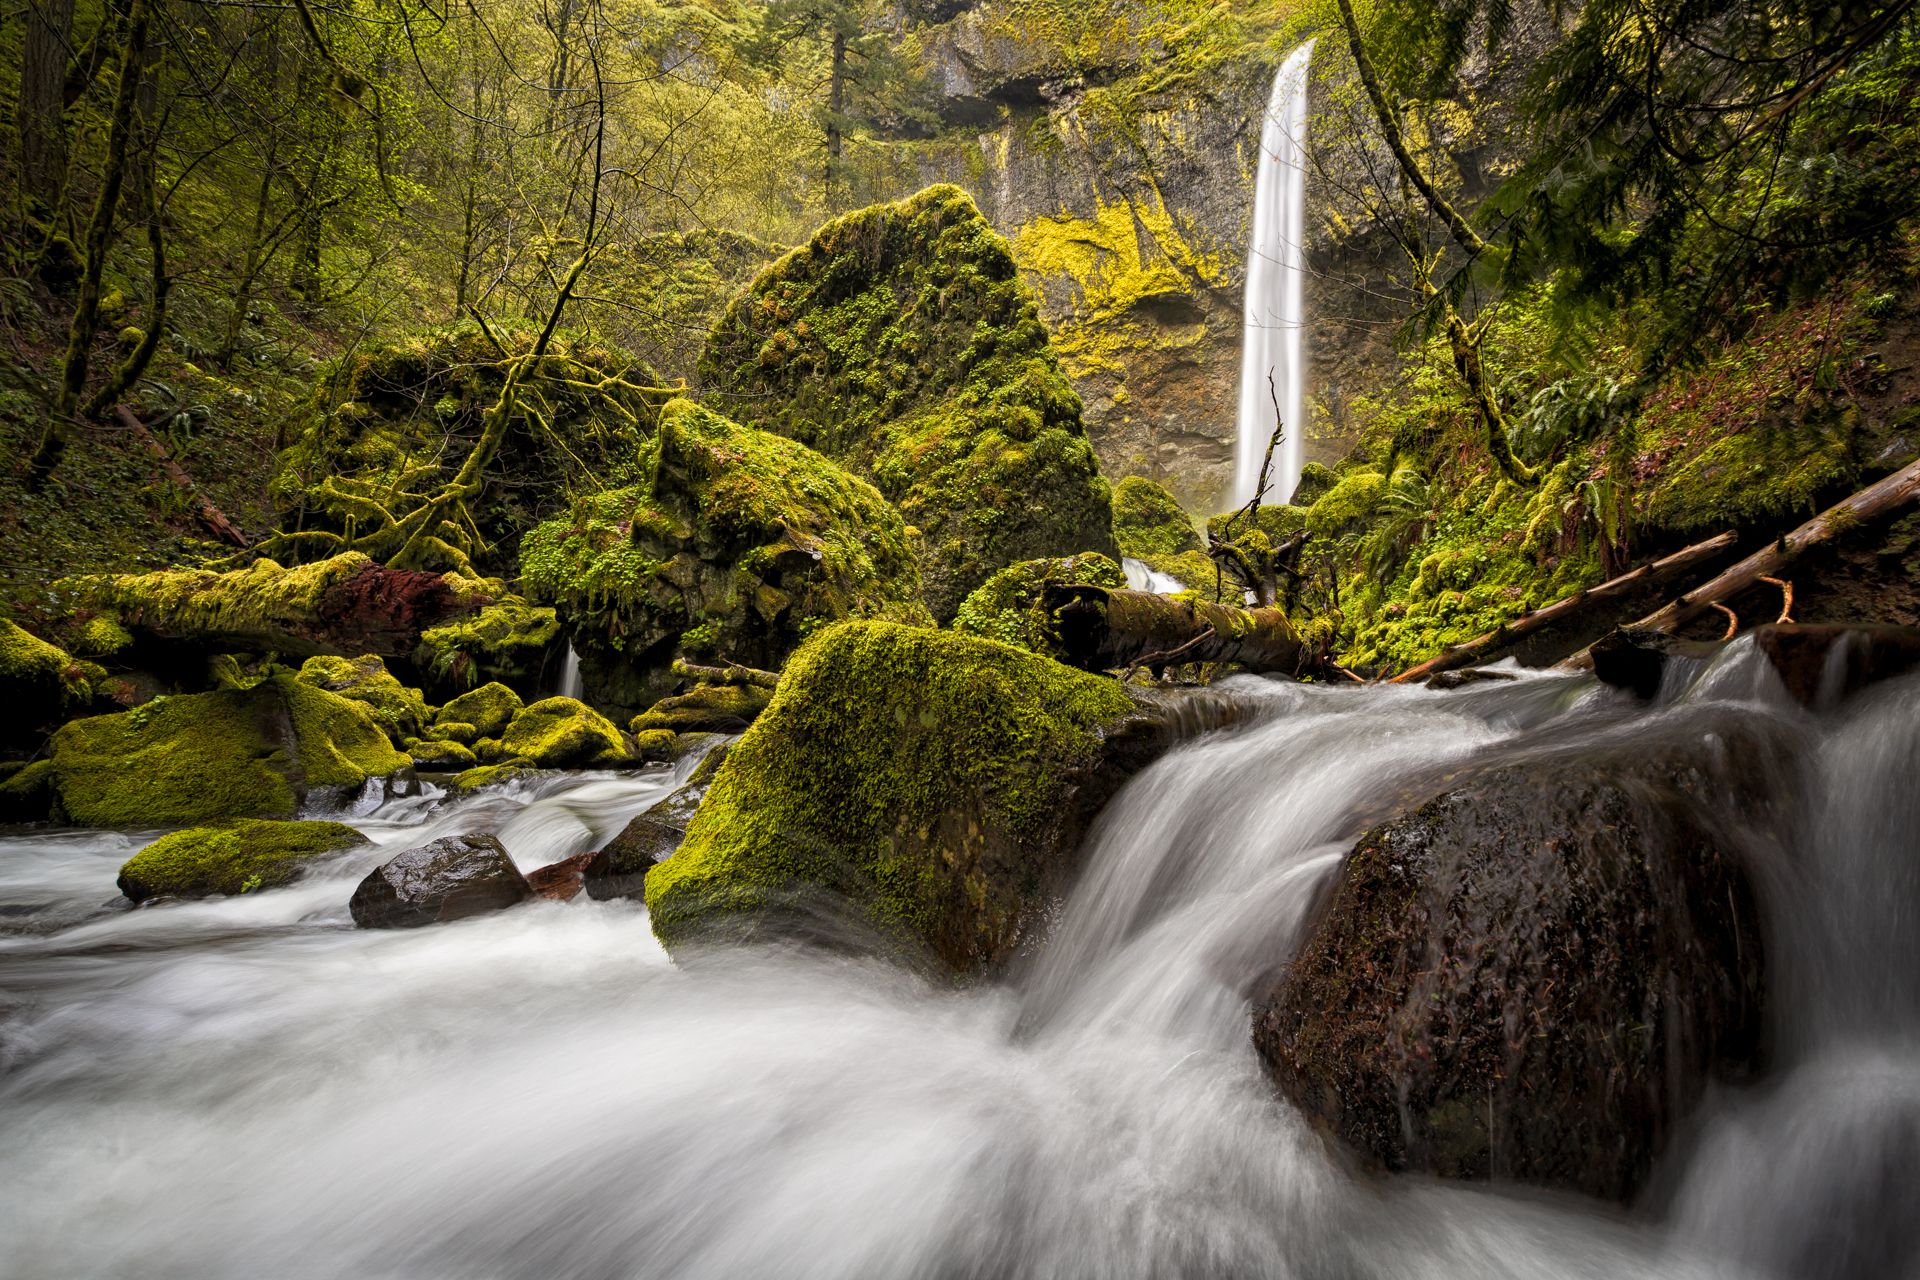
{"points": [[1121, 167]]}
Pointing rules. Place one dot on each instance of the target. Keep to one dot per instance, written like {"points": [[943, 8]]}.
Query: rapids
{"points": [[250, 1087]]}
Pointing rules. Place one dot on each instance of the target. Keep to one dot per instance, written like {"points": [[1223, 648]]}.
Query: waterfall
{"points": [[1274, 310], [570, 684]]}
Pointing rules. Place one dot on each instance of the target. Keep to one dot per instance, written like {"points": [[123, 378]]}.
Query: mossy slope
{"points": [[902, 341], [930, 785]]}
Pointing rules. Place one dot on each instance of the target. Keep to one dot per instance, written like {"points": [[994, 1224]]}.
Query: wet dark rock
{"points": [[1637, 660], [620, 869], [1470, 675], [1532, 976], [560, 881], [449, 879], [1820, 665]]}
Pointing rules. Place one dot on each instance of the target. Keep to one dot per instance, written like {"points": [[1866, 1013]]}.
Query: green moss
{"points": [[366, 680], [911, 774], [441, 756], [486, 711], [1148, 524], [455, 731], [738, 545], [491, 775], [507, 640], [901, 341], [1351, 500], [101, 636], [38, 679], [398, 418], [27, 793], [230, 858], [656, 744], [707, 708], [562, 733], [1010, 606], [228, 754], [1315, 480]]}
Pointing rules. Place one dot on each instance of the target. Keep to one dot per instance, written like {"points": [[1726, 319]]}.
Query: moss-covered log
{"points": [[1101, 629], [346, 605]]}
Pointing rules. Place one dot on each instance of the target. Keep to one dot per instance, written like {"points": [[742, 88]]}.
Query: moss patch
{"points": [[485, 712], [562, 733], [930, 782], [707, 708], [230, 858], [506, 640], [902, 341], [399, 710], [1010, 606]]}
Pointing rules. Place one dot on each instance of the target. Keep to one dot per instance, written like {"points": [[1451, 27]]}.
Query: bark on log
{"points": [[732, 673], [347, 605], [210, 515], [1104, 629], [1881, 498], [1471, 651]]}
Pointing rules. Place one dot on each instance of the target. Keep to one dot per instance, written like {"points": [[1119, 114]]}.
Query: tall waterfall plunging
{"points": [[1275, 310]]}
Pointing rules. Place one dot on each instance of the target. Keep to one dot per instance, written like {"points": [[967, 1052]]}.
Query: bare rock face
{"points": [[1532, 976], [449, 879]]}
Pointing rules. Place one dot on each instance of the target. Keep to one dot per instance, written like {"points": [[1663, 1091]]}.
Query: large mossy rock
{"points": [[486, 711], [234, 753], [736, 544], [39, 680], [230, 857], [1534, 975], [915, 787], [901, 341], [399, 710], [400, 419], [564, 733], [1150, 526]]}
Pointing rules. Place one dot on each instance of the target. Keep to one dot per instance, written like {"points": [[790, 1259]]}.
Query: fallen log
{"points": [[733, 673], [1881, 498], [1107, 629], [210, 515], [1461, 655], [347, 605]]}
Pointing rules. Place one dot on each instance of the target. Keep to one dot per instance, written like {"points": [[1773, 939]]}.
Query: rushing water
{"points": [[250, 1087], [1143, 577], [1275, 308]]}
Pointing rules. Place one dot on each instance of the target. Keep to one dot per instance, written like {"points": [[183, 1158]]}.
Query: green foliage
{"points": [[508, 639], [230, 858], [892, 767], [901, 341]]}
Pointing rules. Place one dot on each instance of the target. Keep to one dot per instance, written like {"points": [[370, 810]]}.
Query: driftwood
{"points": [[1461, 655], [732, 673], [211, 516], [1878, 499], [1104, 629]]}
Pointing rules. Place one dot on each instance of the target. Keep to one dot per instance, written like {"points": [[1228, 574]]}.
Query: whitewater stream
{"points": [[250, 1087]]}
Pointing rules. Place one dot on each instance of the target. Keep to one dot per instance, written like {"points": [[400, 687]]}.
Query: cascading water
{"points": [[248, 1086], [1275, 307], [570, 684]]}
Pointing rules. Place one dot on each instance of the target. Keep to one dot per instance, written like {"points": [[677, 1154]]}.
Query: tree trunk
{"points": [[210, 515], [86, 309], [836, 106], [39, 113], [1105, 629]]}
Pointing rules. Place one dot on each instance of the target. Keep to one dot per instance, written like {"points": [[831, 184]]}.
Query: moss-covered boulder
{"points": [[1010, 606], [902, 341], [736, 545], [390, 424], [399, 710], [508, 640], [1535, 974], [234, 753], [563, 733], [1148, 524], [919, 787], [26, 791], [39, 680], [487, 775], [485, 712], [230, 857], [707, 708], [441, 756]]}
